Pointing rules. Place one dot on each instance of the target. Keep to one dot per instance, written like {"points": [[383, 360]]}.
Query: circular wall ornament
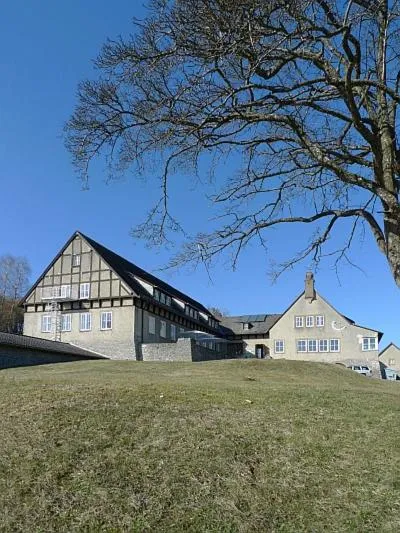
{"points": [[338, 326]]}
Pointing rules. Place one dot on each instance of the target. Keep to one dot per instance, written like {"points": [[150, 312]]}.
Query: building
{"points": [[93, 298], [96, 299], [390, 357], [310, 329]]}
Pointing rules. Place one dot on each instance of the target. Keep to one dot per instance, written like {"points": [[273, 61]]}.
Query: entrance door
{"points": [[260, 351]]}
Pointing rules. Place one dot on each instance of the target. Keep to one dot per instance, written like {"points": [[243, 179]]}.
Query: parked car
{"points": [[364, 370]]}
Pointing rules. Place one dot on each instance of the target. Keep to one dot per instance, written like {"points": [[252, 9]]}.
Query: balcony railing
{"points": [[61, 292]]}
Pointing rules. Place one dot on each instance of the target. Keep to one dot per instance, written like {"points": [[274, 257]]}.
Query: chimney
{"points": [[309, 293]]}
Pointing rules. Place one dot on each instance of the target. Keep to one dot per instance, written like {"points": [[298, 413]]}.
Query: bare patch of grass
{"points": [[230, 446]]}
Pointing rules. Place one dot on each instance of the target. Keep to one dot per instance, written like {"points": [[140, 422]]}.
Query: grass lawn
{"points": [[224, 446]]}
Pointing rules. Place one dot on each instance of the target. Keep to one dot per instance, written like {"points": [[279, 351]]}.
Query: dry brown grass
{"points": [[120, 446]]}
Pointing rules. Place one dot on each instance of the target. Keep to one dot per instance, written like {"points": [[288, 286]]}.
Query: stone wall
{"points": [[181, 350], [13, 356]]}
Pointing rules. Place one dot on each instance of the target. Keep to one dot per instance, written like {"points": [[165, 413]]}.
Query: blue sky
{"points": [[47, 48]]}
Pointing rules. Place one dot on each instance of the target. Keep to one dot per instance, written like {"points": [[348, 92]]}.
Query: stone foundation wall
{"points": [[181, 350]]}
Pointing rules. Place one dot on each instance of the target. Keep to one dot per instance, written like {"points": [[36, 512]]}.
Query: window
{"points": [[279, 346], [246, 325], [302, 345], [392, 361], [163, 329], [299, 321], [152, 325], [369, 343], [66, 322], [334, 345], [312, 345], [76, 260], [62, 291], [84, 290], [213, 323], [85, 322], [191, 312], [320, 321], [162, 297], [181, 330], [309, 321], [323, 345], [173, 332], [46, 324], [106, 320]]}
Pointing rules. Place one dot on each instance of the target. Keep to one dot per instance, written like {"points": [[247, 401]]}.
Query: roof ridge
{"points": [[141, 273]]}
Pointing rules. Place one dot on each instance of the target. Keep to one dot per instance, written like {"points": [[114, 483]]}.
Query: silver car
{"points": [[364, 370]]}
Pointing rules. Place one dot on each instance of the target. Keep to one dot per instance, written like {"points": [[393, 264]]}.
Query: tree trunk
{"points": [[392, 231]]}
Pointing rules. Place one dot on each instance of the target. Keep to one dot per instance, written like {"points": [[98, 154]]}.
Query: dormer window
{"points": [[247, 325], [191, 312], [212, 322], [162, 297]]}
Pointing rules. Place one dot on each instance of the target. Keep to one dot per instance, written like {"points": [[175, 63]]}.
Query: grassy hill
{"points": [[230, 446]]}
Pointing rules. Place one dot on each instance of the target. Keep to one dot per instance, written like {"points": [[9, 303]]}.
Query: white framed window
{"points": [[106, 320], [320, 321], [76, 260], [163, 329], [334, 345], [312, 345], [61, 291], [84, 290], [299, 321], [85, 321], [301, 345], [279, 346], [46, 323], [392, 361], [66, 322], [323, 345], [152, 325], [173, 332], [309, 321], [369, 343]]}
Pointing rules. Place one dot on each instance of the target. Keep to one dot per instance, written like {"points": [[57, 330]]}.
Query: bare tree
{"points": [[218, 312], [14, 279], [305, 92]]}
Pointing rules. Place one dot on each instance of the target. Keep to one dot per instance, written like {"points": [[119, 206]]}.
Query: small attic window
{"points": [[247, 325], [76, 260]]}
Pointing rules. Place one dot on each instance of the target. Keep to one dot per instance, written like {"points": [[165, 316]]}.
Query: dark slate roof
{"points": [[127, 270], [35, 343], [234, 324]]}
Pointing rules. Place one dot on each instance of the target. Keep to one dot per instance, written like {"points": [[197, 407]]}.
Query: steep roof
{"points": [[261, 324], [127, 272], [55, 347]]}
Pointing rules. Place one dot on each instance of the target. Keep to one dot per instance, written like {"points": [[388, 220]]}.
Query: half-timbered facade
{"points": [[94, 298]]}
